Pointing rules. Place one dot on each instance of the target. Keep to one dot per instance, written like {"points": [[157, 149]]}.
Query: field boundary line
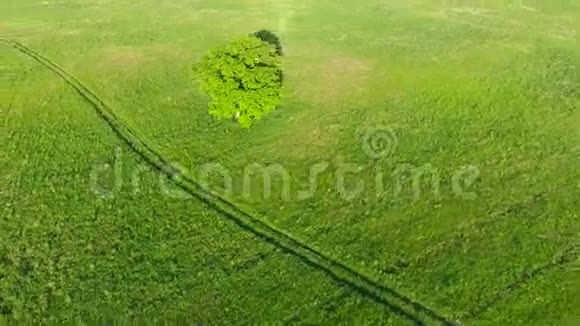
{"points": [[342, 274]]}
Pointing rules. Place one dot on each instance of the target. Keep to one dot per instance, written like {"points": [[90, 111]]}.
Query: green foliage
{"points": [[243, 79]]}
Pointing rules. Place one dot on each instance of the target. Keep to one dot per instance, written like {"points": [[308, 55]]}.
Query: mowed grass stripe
{"points": [[339, 272]]}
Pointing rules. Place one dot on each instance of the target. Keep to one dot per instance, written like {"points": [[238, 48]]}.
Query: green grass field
{"points": [[424, 165]]}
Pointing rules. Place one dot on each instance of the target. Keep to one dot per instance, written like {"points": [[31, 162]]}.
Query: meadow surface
{"points": [[446, 136]]}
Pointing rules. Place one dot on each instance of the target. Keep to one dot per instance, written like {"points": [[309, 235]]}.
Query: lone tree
{"points": [[243, 79]]}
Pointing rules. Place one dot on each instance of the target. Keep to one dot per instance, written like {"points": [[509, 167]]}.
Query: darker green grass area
{"points": [[101, 236]]}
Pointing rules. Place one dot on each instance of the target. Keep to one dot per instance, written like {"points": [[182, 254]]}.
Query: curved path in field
{"points": [[342, 274]]}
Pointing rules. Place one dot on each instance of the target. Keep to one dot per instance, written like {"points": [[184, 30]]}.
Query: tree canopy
{"points": [[243, 79]]}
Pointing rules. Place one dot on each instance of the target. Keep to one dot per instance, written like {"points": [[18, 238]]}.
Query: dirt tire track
{"points": [[342, 275]]}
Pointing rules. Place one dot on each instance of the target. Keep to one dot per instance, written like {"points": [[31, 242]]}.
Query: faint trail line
{"points": [[567, 256], [339, 272]]}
